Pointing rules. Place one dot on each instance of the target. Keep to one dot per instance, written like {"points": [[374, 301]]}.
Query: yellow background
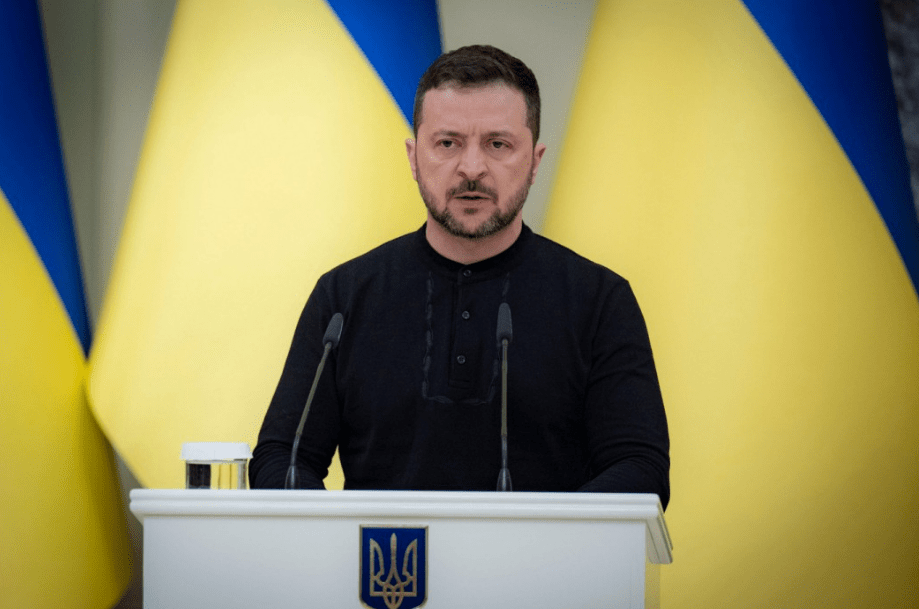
{"points": [[785, 328]]}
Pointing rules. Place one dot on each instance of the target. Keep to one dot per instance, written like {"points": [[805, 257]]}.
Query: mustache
{"points": [[471, 187]]}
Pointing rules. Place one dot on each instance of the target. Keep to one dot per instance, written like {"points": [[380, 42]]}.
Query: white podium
{"points": [[267, 549]]}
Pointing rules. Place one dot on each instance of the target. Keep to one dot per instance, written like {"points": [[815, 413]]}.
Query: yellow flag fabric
{"points": [[63, 532], [63, 543], [273, 152], [784, 322]]}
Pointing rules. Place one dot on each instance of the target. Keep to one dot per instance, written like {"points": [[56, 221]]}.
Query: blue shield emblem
{"points": [[393, 567]]}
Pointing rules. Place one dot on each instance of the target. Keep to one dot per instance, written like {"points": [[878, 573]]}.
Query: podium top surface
{"points": [[147, 503]]}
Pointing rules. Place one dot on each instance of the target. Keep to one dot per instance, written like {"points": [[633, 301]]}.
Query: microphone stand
{"points": [[504, 335], [332, 334]]}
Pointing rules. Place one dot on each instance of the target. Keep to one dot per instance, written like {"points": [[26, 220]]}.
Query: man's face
{"points": [[474, 158]]}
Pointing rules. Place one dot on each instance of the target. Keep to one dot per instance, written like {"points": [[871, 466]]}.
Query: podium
{"points": [[341, 549]]}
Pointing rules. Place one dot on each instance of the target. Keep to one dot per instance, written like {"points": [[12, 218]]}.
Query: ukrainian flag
{"points": [[274, 151], [741, 164], [63, 538]]}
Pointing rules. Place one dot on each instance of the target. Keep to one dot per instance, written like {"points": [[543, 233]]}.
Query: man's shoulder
{"points": [[386, 251], [553, 254], [393, 253]]}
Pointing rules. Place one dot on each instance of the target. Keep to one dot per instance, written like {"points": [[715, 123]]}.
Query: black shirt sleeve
{"points": [[271, 457], [627, 434]]}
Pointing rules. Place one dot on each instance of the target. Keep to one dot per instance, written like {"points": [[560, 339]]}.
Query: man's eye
{"points": [[496, 144], [446, 143]]}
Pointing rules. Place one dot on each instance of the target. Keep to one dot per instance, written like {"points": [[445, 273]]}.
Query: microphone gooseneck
{"points": [[330, 341], [505, 334]]}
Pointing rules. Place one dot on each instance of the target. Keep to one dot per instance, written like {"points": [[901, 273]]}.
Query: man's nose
{"points": [[472, 163]]}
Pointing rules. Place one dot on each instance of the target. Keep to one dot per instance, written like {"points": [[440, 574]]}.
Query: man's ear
{"points": [[538, 151], [412, 159]]}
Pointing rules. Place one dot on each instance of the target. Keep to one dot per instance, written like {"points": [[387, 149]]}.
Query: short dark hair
{"points": [[479, 65]]}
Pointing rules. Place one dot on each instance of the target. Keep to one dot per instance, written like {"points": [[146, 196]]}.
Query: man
{"points": [[411, 395]]}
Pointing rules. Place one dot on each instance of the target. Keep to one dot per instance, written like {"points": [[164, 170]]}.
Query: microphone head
{"points": [[505, 330], [333, 332]]}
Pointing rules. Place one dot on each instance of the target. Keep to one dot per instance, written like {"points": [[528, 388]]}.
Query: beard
{"points": [[492, 225]]}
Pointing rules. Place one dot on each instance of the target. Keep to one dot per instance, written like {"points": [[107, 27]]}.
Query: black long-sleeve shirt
{"points": [[411, 395]]}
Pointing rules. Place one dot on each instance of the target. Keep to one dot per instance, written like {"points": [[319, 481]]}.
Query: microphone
{"points": [[330, 340], [505, 333]]}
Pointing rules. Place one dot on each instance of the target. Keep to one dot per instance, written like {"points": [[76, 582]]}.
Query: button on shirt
{"points": [[462, 354]]}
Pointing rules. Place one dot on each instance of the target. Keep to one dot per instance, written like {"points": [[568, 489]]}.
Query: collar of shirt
{"points": [[479, 271]]}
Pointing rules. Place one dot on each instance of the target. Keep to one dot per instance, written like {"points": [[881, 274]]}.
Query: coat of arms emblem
{"points": [[393, 567]]}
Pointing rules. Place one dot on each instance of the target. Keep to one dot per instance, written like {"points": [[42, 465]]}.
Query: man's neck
{"points": [[470, 251]]}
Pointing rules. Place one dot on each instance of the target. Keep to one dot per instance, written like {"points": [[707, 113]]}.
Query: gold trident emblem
{"points": [[394, 589]]}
